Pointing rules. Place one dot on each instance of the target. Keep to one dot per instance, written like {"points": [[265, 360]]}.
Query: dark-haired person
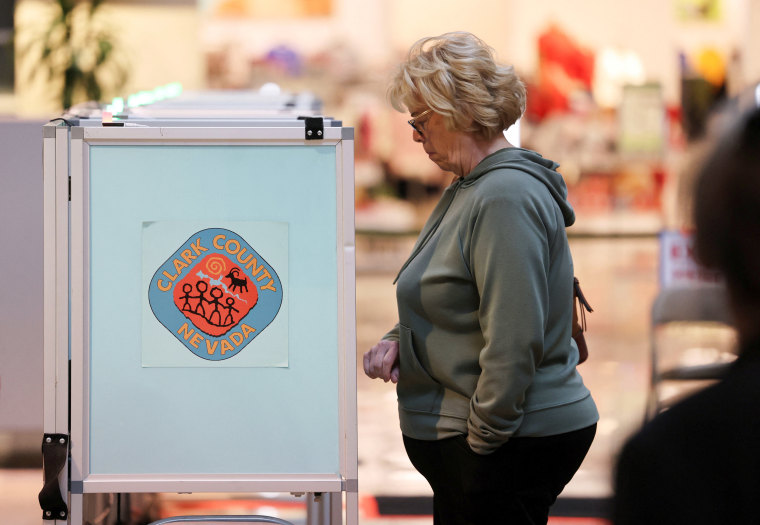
{"points": [[493, 411], [699, 462]]}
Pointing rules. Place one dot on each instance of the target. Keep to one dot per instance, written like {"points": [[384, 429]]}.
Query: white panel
{"points": [[77, 258], [62, 278], [348, 373], [49, 279], [201, 483], [153, 134], [62, 291]]}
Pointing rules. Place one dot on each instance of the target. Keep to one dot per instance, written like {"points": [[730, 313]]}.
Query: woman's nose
{"points": [[417, 136]]}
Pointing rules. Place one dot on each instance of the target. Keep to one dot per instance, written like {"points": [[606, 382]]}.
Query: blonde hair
{"points": [[456, 75]]}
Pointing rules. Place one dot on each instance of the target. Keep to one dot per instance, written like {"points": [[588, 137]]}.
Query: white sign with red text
{"points": [[678, 266]]}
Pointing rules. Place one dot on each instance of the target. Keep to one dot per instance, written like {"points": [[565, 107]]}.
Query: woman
{"points": [[492, 409]]}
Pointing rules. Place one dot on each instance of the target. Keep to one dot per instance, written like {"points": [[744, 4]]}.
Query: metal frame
{"points": [[221, 519], [67, 314], [55, 161], [696, 303]]}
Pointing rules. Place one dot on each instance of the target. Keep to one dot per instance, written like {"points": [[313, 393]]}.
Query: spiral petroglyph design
{"points": [[216, 266]]}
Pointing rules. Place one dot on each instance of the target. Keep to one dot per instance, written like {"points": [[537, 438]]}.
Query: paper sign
{"points": [[216, 293]]}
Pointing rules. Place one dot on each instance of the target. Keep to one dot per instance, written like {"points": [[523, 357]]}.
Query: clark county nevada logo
{"points": [[215, 294]]}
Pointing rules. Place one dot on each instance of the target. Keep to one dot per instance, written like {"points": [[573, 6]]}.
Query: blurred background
{"points": [[623, 95]]}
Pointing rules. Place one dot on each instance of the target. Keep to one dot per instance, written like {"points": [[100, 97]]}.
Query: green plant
{"points": [[78, 53]]}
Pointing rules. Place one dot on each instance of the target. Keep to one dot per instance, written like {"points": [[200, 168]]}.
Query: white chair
{"points": [[693, 342]]}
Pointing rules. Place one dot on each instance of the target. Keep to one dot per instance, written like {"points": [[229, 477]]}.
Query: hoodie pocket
{"points": [[417, 390]]}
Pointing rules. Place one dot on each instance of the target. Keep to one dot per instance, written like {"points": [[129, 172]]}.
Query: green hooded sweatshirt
{"points": [[485, 310]]}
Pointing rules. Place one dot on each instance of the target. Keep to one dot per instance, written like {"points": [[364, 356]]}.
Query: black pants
{"points": [[516, 484]]}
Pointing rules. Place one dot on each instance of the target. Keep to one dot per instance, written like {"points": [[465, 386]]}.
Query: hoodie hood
{"points": [[524, 160], [533, 164]]}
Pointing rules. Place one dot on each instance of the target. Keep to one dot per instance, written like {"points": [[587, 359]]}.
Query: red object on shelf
{"points": [[556, 47], [564, 66]]}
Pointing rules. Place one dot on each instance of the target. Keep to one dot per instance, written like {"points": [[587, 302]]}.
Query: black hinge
{"points": [[315, 128], [55, 451], [69, 188]]}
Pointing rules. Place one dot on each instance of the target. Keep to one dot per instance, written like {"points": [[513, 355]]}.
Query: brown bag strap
{"points": [[579, 328], [578, 294]]}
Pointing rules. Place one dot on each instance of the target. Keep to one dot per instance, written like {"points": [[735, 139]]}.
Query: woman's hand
{"points": [[381, 361]]}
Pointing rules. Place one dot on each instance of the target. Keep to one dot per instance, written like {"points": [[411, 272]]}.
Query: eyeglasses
{"points": [[413, 122]]}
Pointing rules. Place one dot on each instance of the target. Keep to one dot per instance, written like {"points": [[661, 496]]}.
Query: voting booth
{"points": [[199, 295]]}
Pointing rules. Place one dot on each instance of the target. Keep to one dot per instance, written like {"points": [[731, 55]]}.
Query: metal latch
{"points": [[315, 128], [55, 451]]}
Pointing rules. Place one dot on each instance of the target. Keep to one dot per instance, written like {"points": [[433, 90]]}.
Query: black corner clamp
{"points": [[315, 127], [55, 450]]}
